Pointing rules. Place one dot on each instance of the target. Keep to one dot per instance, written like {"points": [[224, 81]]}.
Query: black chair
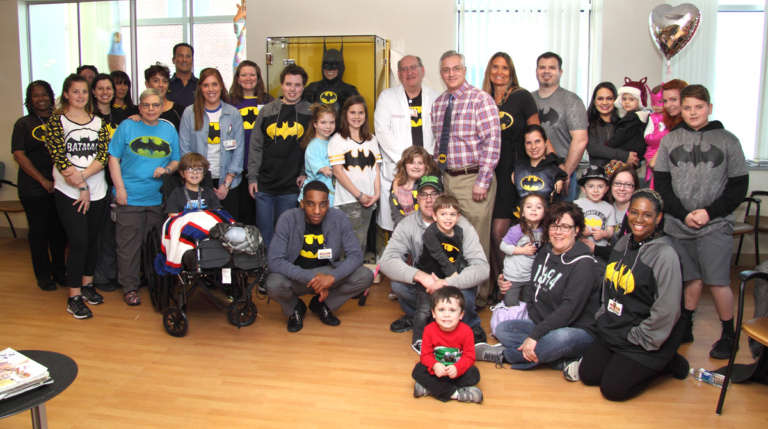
{"points": [[755, 328], [9, 206], [740, 229]]}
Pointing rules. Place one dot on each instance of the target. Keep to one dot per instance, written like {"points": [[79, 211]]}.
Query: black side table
{"points": [[63, 371]]}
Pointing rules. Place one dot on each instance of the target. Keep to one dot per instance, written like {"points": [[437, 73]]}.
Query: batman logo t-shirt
{"points": [[417, 124], [312, 243]]}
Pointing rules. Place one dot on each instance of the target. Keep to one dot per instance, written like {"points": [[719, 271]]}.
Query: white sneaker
{"points": [[571, 370], [416, 346]]}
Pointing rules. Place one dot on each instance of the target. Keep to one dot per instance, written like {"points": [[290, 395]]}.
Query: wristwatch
{"points": [[85, 188], [227, 184]]}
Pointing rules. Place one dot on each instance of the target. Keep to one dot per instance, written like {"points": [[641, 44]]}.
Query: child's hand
{"points": [[326, 171], [440, 369], [528, 249], [504, 284], [597, 234], [451, 371], [558, 186]]}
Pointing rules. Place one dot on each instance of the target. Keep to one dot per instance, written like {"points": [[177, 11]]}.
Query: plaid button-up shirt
{"points": [[475, 131]]}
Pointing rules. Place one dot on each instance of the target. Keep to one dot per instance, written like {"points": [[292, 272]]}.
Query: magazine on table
{"points": [[19, 374]]}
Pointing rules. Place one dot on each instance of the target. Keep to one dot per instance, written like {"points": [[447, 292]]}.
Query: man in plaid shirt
{"points": [[472, 150]]}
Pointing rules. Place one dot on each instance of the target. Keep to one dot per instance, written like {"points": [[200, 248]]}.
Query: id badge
{"points": [[325, 254], [615, 307], [230, 144]]}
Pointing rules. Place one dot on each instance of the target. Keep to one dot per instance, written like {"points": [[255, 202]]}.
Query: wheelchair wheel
{"points": [[242, 312], [175, 322], [149, 252]]}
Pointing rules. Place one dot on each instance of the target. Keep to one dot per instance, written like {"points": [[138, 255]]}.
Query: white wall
{"points": [[420, 27]]}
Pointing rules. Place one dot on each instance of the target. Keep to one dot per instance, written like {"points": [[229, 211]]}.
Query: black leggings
{"points": [[618, 376], [443, 387], [83, 232], [45, 234]]}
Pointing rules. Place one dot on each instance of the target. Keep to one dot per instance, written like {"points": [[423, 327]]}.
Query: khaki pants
{"points": [[478, 214]]}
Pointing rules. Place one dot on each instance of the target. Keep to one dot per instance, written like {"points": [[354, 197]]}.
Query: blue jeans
{"points": [[554, 348], [573, 189], [269, 207], [407, 298]]}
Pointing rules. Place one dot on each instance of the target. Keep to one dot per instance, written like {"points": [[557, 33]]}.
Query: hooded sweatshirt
{"points": [[565, 290], [700, 169], [647, 283], [334, 92], [539, 179]]}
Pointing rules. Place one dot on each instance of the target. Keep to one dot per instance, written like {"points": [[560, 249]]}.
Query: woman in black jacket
{"points": [[612, 138]]}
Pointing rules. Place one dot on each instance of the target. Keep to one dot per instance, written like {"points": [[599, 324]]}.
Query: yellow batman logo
{"points": [[39, 133], [111, 128], [308, 255], [416, 120], [449, 247], [622, 278], [285, 131], [312, 239], [214, 133], [328, 97], [442, 158], [249, 115], [505, 119], [532, 183], [594, 223]]}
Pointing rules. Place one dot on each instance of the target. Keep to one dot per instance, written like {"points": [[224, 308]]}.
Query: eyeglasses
{"points": [[196, 170], [562, 227], [455, 69], [412, 68], [430, 196], [152, 105], [624, 185]]}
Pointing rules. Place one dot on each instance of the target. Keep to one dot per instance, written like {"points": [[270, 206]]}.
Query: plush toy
{"points": [[240, 34]]}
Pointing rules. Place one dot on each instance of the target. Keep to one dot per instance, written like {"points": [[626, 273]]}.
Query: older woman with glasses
{"points": [[140, 153], [562, 302]]}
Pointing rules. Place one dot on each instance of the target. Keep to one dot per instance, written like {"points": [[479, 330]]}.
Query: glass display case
{"points": [[365, 60]]}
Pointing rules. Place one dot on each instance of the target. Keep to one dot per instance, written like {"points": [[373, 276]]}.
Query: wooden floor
{"points": [[134, 375]]}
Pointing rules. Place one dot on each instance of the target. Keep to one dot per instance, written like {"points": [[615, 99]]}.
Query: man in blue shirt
{"points": [[181, 88]]}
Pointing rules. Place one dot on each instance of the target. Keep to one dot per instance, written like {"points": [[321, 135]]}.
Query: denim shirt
{"points": [[197, 141]]}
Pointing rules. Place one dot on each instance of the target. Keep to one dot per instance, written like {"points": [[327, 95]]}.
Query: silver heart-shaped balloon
{"points": [[672, 28]]}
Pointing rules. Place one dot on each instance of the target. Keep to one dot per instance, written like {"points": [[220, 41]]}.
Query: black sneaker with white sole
{"points": [[77, 308], [416, 346], [91, 296], [403, 324]]}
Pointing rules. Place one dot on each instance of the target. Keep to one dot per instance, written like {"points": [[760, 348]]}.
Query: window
{"points": [[525, 29], [737, 77]]}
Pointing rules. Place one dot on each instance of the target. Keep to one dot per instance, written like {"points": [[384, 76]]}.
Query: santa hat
{"points": [[657, 95], [637, 89]]}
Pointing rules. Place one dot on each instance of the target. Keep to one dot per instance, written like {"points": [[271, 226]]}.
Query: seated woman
{"points": [[565, 297], [638, 325], [140, 153]]}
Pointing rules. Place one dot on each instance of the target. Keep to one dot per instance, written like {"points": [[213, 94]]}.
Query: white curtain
{"points": [[696, 63], [761, 146], [525, 29]]}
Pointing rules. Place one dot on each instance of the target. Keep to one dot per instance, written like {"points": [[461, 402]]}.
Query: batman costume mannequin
{"points": [[331, 89]]}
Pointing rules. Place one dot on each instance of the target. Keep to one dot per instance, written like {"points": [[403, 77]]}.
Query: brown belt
{"points": [[462, 171]]}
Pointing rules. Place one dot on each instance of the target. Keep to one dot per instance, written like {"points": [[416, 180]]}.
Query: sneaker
{"points": [[392, 295], [90, 295], [77, 308], [470, 394], [490, 353], [132, 298], [419, 390], [571, 370], [403, 324], [479, 334], [416, 346], [722, 348]]}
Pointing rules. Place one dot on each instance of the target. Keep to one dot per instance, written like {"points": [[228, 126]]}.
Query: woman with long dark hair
{"points": [[35, 187], [78, 143], [122, 90], [517, 110], [214, 128], [611, 136]]}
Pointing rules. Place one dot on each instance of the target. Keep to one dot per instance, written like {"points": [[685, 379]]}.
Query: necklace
{"points": [[504, 98]]}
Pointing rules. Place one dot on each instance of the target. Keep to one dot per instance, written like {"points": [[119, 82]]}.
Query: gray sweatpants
{"points": [[287, 292], [131, 228]]}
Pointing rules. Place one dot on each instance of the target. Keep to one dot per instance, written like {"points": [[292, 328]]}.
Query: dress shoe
{"points": [[47, 285], [323, 312], [60, 279], [296, 320]]}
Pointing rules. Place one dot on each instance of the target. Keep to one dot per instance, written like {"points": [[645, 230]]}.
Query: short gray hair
{"points": [[421, 64], [147, 92], [449, 54]]}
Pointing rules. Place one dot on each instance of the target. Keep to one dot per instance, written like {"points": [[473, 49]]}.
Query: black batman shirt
{"points": [[282, 152]]}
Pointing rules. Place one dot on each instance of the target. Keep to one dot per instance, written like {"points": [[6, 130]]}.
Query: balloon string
{"points": [[669, 69]]}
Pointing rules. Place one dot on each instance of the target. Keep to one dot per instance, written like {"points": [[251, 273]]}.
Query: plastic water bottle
{"points": [[712, 378]]}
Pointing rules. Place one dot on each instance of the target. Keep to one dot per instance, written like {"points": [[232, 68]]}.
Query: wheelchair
{"points": [[203, 268]]}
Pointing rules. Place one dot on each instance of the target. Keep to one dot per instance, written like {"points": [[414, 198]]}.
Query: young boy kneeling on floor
{"points": [[447, 368]]}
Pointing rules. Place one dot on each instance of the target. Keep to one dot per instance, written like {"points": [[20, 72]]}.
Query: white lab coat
{"points": [[392, 119]]}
